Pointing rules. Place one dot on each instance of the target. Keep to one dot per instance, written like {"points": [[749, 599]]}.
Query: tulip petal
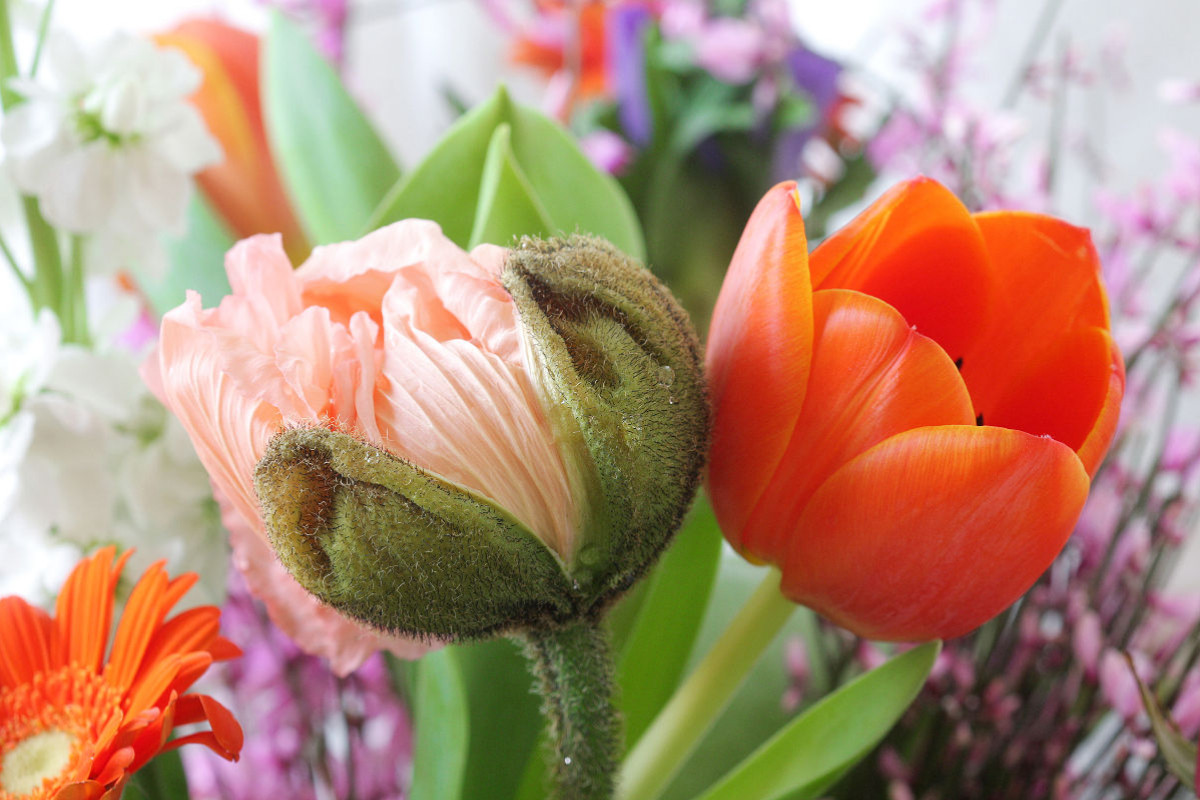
{"points": [[873, 376], [934, 531], [1045, 363], [1072, 394], [918, 249], [759, 351]]}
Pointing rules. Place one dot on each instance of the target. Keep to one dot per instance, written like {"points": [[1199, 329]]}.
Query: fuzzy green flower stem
{"points": [[46, 288], [696, 704], [575, 677]]}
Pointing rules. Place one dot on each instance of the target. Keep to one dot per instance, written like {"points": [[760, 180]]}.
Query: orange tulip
{"points": [[907, 420], [244, 189]]}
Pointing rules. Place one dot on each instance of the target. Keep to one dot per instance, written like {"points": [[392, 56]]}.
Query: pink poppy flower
{"points": [[401, 339]]}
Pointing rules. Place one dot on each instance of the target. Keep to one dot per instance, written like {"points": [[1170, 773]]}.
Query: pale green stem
{"points": [[46, 289], [43, 29], [12, 262], [73, 313], [695, 706]]}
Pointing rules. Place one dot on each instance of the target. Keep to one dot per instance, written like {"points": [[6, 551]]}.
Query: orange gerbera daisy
{"points": [[73, 727]]}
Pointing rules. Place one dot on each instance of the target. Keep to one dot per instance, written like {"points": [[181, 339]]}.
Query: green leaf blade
{"points": [[662, 637], [441, 724], [808, 755], [333, 163], [507, 206], [561, 183]]}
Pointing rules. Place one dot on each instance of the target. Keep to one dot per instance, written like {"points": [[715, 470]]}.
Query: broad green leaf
{"points": [[441, 725], [197, 261], [569, 190], [162, 778], [507, 207], [505, 718], [814, 750], [662, 637], [1177, 751], [334, 165]]}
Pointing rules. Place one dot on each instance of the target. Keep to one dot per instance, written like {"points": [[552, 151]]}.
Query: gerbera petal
{"points": [[29, 643], [84, 610], [952, 524], [143, 615], [175, 672], [873, 376], [191, 631], [918, 249], [113, 768], [226, 737], [759, 351]]}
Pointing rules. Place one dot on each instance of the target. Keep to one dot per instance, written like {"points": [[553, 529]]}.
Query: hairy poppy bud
{"points": [[444, 444]]}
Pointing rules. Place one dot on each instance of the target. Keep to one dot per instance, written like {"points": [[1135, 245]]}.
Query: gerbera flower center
{"points": [[52, 729], [33, 760]]}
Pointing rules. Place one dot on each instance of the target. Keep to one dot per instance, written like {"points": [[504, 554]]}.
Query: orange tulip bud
{"points": [[244, 189], [906, 420]]}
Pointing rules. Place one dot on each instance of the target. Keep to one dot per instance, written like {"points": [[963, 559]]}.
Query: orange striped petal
{"points": [[759, 351], [1072, 393], [143, 615], [173, 673], [114, 767], [84, 610], [934, 531], [190, 631], [226, 737], [873, 376], [918, 249], [29, 643], [1045, 363]]}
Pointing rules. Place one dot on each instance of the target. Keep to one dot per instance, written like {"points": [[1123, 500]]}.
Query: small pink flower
{"points": [[731, 49], [400, 338]]}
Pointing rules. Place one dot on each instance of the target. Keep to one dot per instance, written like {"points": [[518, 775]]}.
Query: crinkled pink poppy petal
{"points": [[315, 627], [228, 429], [473, 418]]}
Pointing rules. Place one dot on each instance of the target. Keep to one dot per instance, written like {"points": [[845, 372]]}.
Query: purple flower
{"points": [[309, 734], [628, 24]]}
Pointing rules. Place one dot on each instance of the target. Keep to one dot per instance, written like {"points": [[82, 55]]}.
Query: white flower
{"points": [[107, 140], [88, 456]]}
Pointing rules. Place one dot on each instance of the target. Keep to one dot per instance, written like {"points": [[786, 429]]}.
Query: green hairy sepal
{"points": [[618, 369], [620, 372], [400, 548]]}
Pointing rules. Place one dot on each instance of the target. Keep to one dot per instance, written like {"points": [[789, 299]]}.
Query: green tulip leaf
{"points": [[441, 725], [448, 185], [809, 754], [663, 635], [197, 261], [1177, 751], [334, 165], [507, 206]]}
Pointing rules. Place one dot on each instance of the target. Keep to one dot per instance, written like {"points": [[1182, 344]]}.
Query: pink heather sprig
{"points": [[309, 734]]}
